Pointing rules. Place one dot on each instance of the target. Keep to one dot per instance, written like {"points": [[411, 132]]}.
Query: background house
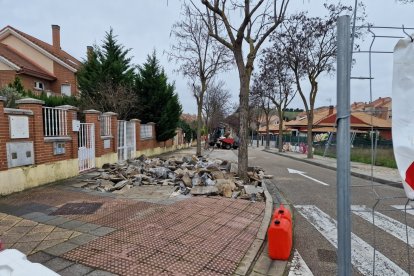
{"points": [[39, 65]]}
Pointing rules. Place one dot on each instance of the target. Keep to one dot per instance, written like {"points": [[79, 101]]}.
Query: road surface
{"points": [[311, 191]]}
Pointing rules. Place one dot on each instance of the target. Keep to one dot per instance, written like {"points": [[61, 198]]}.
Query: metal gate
{"points": [[86, 151], [126, 140]]}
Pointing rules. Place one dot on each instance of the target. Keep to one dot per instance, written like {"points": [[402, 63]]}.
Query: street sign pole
{"points": [[343, 146]]}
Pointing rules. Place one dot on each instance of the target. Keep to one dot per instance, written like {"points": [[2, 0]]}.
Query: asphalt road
{"points": [[314, 206]]}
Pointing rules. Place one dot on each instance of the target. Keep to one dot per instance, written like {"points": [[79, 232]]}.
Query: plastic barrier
{"points": [[15, 263], [282, 212]]}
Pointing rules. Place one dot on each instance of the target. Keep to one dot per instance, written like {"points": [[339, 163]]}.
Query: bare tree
{"points": [[216, 104], [113, 97], [262, 95], [242, 35], [310, 45], [276, 78], [200, 57]]}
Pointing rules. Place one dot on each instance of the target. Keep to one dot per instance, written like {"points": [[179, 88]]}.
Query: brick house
{"points": [[39, 65]]}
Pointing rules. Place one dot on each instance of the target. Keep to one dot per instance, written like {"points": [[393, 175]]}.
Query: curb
{"points": [[360, 175], [249, 259]]}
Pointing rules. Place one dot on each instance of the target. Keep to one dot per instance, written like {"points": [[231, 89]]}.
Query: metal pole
{"points": [[343, 146]]}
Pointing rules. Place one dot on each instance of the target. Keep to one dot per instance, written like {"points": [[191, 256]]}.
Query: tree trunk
{"points": [[199, 126], [280, 141], [267, 134], [310, 138], [244, 109]]}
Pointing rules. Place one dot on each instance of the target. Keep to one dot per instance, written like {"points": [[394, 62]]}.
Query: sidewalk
{"points": [[75, 231], [380, 174]]}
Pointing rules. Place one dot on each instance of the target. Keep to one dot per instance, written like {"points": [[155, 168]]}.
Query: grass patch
{"points": [[384, 157]]}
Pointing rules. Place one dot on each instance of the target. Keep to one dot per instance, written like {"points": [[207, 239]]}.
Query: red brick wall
{"points": [[29, 83], [63, 76], [4, 135], [6, 77], [43, 149]]}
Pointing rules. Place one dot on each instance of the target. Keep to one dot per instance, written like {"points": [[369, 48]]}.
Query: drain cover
{"points": [[325, 255], [84, 208]]}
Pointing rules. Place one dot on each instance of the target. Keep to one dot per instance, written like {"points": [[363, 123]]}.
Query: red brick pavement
{"points": [[198, 236]]}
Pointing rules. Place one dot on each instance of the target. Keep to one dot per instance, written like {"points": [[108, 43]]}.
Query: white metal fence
{"points": [[146, 132], [126, 140], [105, 121], [86, 151], [55, 122]]}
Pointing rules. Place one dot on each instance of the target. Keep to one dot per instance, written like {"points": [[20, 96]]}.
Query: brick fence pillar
{"points": [[38, 136], [71, 116], [154, 142], [137, 133], [4, 132], [114, 130], [92, 117]]}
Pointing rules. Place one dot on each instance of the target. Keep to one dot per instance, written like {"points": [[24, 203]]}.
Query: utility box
{"points": [[19, 154], [75, 125], [19, 127]]}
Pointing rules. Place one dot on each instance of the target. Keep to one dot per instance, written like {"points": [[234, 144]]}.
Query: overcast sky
{"points": [[145, 25]]}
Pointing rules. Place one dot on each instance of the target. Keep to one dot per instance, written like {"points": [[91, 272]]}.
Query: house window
{"points": [[65, 89], [38, 85]]}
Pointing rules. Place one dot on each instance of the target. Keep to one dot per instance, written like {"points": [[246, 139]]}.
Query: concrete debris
{"points": [[197, 176]]}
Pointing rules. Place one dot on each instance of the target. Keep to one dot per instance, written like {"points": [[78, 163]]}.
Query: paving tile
{"points": [[42, 228], [32, 215], [44, 218], [184, 268], [140, 253], [119, 265], [25, 247], [232, 254], [57, 264], [83, 239], [175, 249], [26, 222], [58, 235], [97, 260], [144, 269], [87, 227], [72, 225], [40, 257], [101, 231], [197, 256], [161, 260], [100, 273], [76, 269], [47, 244], [31, 237], [61, 248], [58, 221], [208, 272], [80, 254], [222, 266]]}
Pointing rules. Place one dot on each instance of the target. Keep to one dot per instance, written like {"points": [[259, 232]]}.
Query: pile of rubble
{"points": [[188, 174]]}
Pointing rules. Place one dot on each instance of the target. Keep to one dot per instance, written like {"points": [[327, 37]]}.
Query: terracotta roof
{"points": [[358, 120], [26, 65], [59, 53], [319, 114], [273, 128]]}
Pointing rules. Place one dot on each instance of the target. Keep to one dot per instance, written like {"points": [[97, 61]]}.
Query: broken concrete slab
{"points": [[204, 190]]}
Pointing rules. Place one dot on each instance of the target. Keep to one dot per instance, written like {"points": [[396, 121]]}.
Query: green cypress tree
{"points": [[158, 101], [106, 65]]}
